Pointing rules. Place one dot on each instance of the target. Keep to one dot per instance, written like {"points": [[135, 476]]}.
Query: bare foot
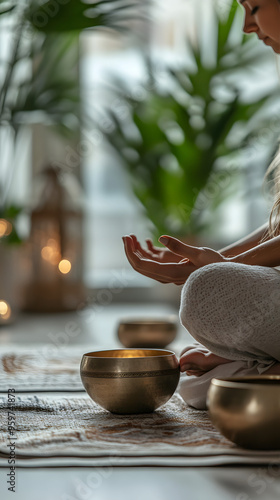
{"points": [[197, 359], [189, 347]]}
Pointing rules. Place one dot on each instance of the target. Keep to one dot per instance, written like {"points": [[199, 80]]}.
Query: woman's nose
{"points": [[249, 25]]}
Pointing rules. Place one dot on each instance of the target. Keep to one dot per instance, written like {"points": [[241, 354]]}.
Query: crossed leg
{"points": [[232, 311]]}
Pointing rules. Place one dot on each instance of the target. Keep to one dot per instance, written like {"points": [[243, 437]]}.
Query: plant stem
{"points": [[9, 76], [11, 64]]}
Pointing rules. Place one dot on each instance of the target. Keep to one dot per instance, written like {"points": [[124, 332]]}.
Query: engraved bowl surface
{"points": [[129, 381], [246, 410]]}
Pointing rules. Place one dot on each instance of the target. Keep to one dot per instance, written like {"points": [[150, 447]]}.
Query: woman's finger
{"points": [[140, 265], [162, 272], [151, 246], [178, 247], [144, 253], [147, 254]]}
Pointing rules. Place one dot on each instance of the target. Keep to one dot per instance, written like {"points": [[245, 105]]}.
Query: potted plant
{"points": [[178, 143]]}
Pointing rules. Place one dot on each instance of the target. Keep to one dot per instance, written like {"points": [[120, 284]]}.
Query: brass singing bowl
{"points": [[149, 333], [127, 381], [246, 410]]}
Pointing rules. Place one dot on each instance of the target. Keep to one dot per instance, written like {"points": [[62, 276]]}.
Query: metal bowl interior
{"points": [[149, 333], [129, 381], [246, 410]]}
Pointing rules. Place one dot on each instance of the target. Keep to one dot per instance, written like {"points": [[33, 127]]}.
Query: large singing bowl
{"points": [[127, 381], [246, 410]]}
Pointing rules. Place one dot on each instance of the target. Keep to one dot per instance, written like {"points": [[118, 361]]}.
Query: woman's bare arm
{"points": [[266, 254], [253, 239]]}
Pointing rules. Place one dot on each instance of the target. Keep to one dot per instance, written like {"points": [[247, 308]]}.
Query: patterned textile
{"points": [[60, 431], [40, 370]]}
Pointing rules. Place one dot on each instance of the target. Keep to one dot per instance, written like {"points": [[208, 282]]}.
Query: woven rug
{"points": [[41, 370], [72, 430]]}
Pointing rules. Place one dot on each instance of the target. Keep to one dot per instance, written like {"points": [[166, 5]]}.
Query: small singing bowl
{"points": [[246, 410], [149, 333], [127, 381]]}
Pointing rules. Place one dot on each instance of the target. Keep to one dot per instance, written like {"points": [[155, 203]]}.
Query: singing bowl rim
{"points": [[116, 367], [158, 360], [152, 321], [247, 382], [167, 353]]}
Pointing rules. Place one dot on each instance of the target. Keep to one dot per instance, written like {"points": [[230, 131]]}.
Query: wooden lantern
{"points": [[55, 248]]}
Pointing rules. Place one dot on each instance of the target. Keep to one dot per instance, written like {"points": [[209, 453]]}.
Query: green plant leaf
{"points": [[51, 91], [76, 15], [7, 10]]}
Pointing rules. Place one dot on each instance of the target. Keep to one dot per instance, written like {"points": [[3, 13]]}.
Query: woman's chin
{"points": [[274, 45]]}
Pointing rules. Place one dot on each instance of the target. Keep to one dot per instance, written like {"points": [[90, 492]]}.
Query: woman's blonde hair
{"points": [[273, 173]]}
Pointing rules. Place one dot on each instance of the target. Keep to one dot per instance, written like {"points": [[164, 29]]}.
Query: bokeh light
{"points": [[64, 266], [5, 228], [5, 310], [51, 252]]}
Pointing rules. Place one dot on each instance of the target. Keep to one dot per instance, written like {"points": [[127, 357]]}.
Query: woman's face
{"points": [[263, 18]]}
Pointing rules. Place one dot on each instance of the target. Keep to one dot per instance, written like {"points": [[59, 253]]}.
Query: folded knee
{"points": [[207, 294], [200, 285]]}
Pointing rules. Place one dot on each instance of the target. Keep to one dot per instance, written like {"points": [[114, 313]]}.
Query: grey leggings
{"points": [[234, 311]]}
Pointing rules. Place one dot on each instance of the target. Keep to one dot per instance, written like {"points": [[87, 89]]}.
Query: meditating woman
{"points": [[230, 300]]}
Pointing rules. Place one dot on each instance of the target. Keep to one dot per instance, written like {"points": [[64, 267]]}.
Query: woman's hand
{"points": [[169, 272], [200, 256]]}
